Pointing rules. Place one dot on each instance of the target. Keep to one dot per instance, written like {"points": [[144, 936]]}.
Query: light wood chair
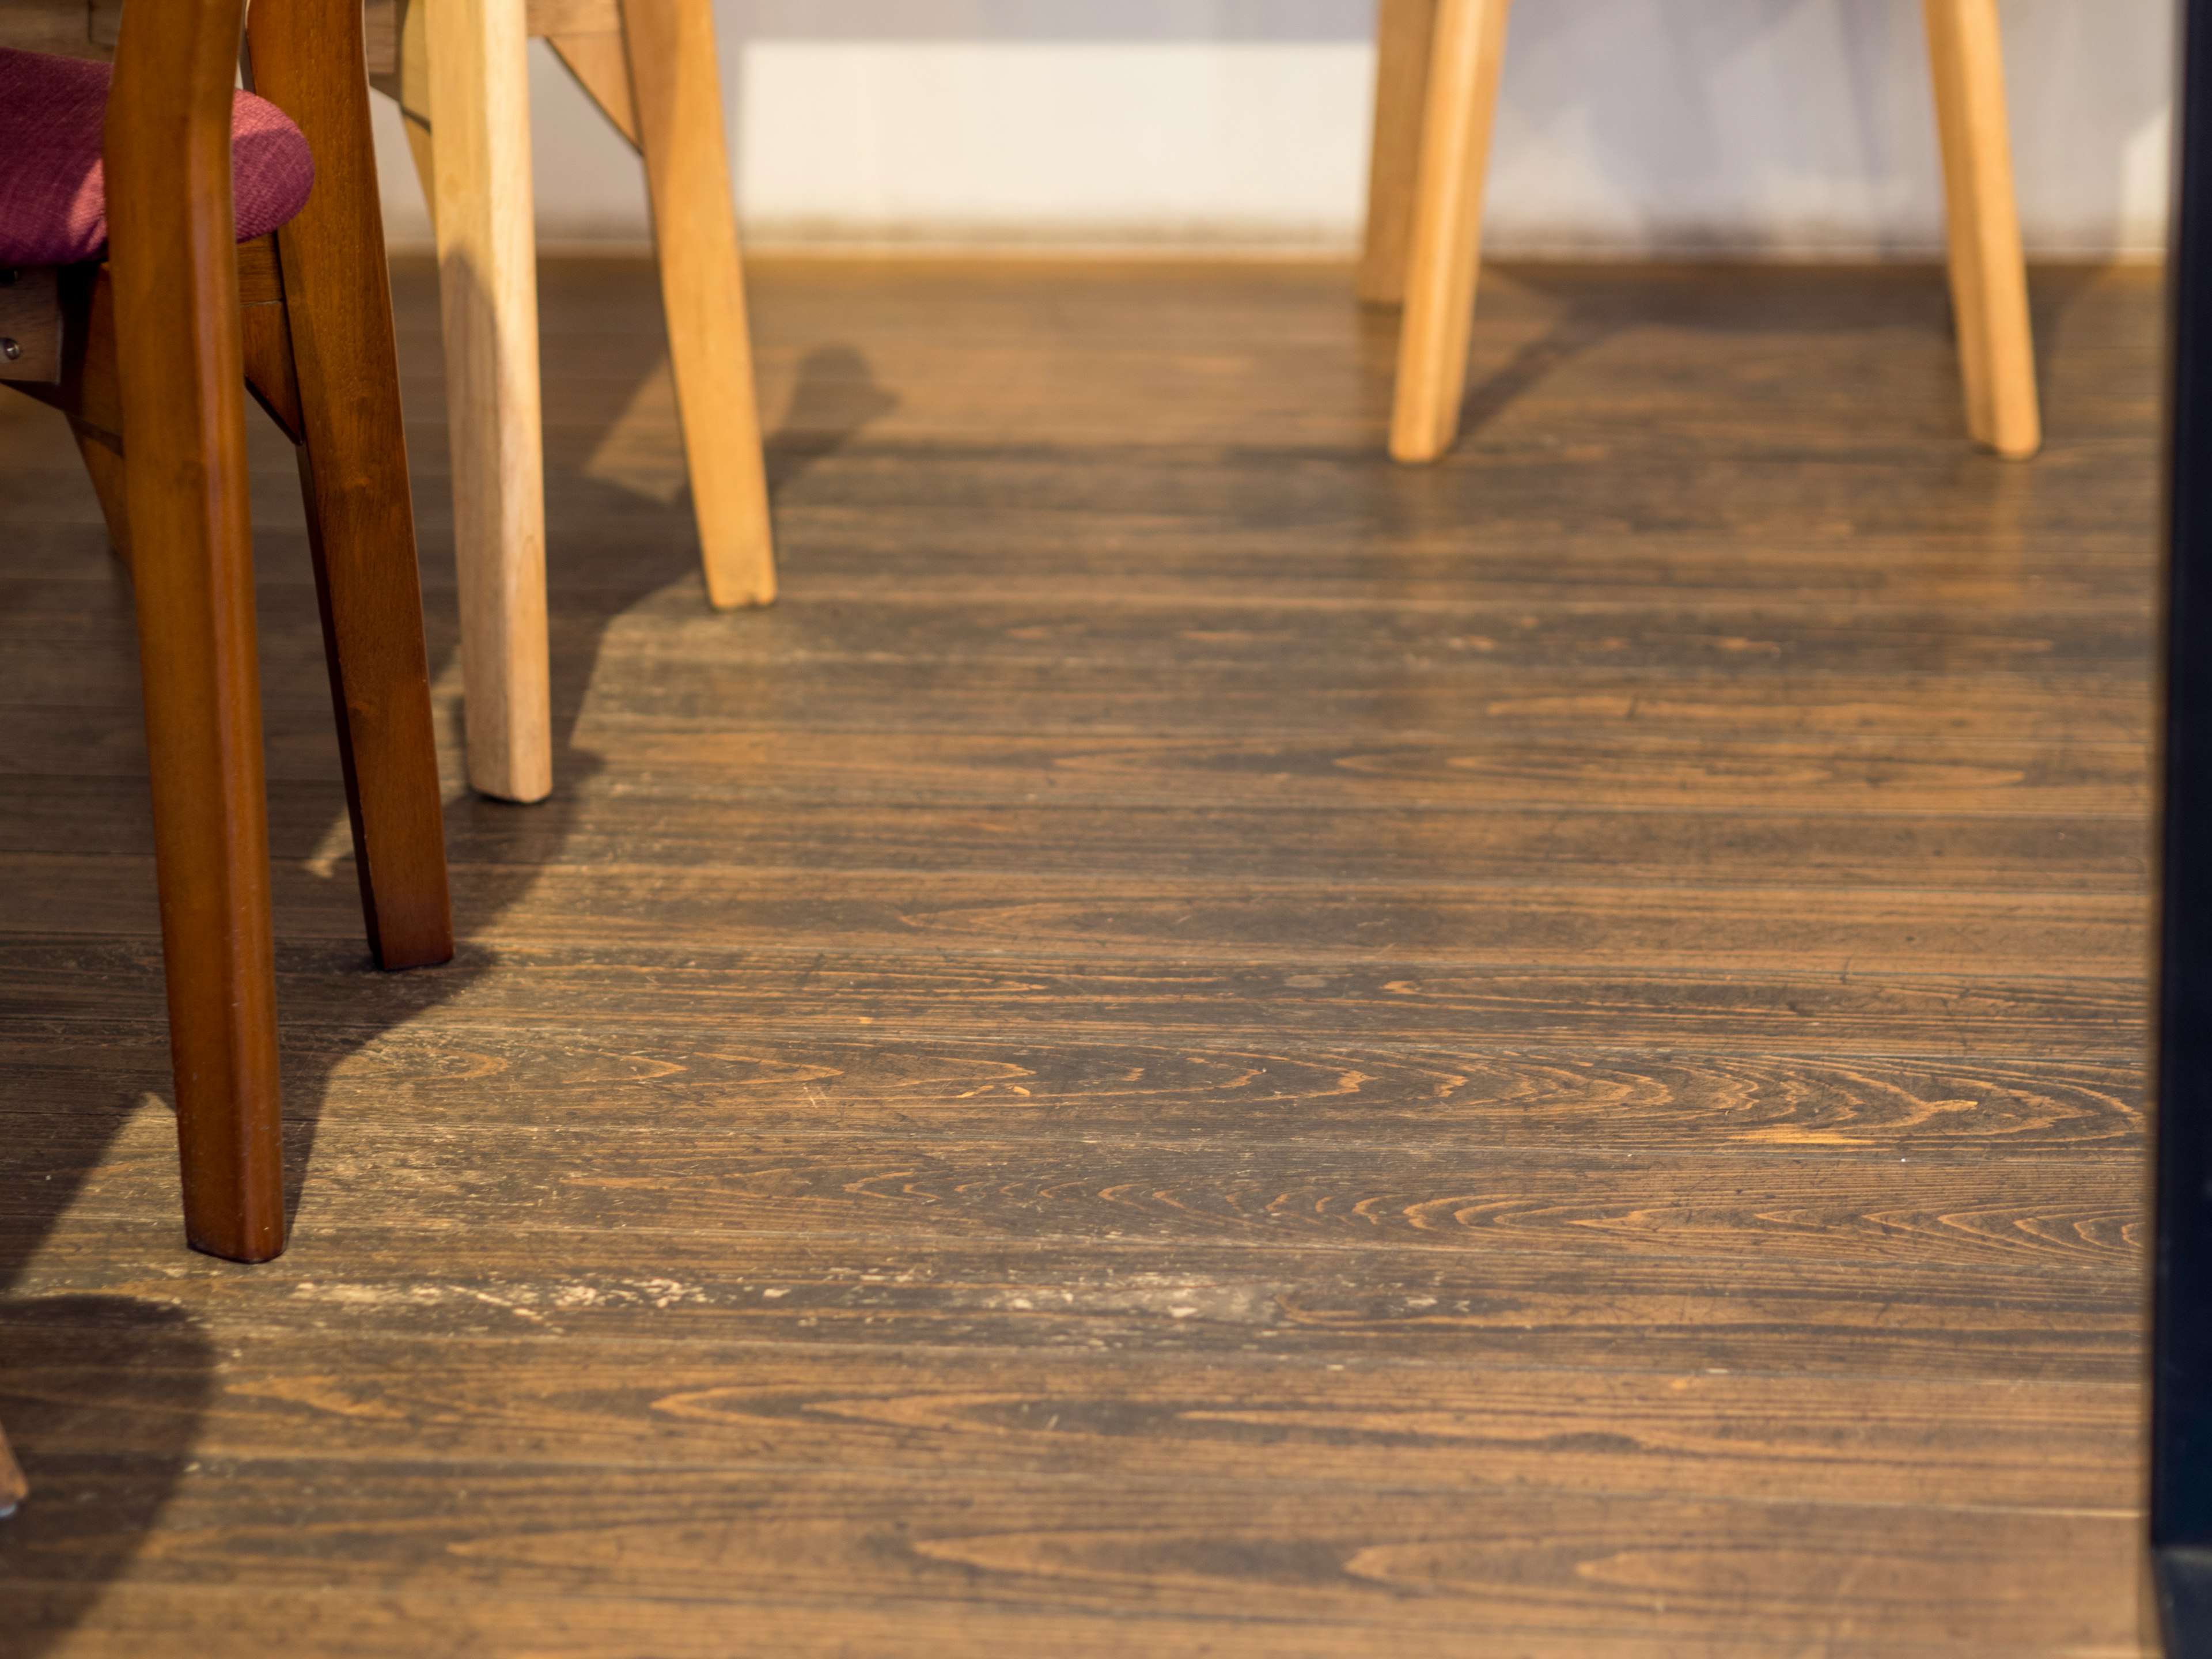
{"points": [[150, 353], [1437, 81], [457, 68]]}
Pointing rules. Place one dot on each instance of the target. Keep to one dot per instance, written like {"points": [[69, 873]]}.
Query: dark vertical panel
{"points": [[2181, 1433]]}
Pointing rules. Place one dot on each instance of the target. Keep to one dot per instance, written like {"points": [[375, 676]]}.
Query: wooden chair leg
{"points": [[1404, 32], [14, 1489], [184, 422], [196, 649], [1989, 272], [353, 464], [487, 260], [676, 85], [1468, 51]]}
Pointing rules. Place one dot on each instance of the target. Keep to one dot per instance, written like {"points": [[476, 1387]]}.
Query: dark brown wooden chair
{"points": [[148, 352]]}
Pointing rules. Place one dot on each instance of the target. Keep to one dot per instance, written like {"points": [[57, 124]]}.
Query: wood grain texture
{"points": [[1199, 1044], [487, 258], [671, 1405]]}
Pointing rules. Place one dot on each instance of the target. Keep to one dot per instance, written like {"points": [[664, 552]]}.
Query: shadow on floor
{"points": [[104, 1393], [1590, 310]]}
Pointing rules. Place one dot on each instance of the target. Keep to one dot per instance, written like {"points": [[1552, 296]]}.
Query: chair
{"points": [[1436, 95], [149, 354], [457, 68]]}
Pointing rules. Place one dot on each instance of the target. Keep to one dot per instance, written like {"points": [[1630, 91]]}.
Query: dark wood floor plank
{"points": [[1338, 1301], [1804, 744], [620, 815], [1807, 929], [1553, 1564], [666, 1077], [1768, 1200], [69, 1388], [612, 990], [212, 1623]]}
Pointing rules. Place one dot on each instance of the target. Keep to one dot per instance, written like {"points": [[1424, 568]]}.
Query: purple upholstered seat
{"points": [[53, 198]]}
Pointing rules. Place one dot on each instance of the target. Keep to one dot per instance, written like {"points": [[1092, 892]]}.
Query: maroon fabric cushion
{"points": [[54, 199]]}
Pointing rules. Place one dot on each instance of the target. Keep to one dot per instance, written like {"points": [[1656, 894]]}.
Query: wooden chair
{"points": [[457, 68], [1436, 96], [149, 355]]}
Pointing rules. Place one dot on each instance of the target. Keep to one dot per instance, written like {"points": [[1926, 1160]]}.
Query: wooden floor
{"points": [[1199, 1045]]}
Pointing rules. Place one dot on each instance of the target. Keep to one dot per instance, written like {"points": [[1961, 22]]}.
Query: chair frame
{"points": [[458, 70], [1437, 69], [157, 348]]}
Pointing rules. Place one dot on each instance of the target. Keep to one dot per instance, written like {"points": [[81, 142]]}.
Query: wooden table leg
{"points": [[1404, 31], [1989, 273], [488, 282], [1446, 252], [676, 82]]}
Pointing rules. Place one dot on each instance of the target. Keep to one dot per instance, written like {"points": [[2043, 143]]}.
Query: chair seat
{"points": [[53, 197]]}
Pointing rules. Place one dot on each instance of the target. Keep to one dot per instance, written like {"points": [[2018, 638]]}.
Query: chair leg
{"points": [[1404, 32], [486, 260], [193, 574], [677, 89], [1989, 273], [181, 379], [1446, 251], [353, 468], [14, 1489], [196, 648]]}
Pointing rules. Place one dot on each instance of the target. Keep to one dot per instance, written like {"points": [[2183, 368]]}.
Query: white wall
{"points": [[1628, 126]]}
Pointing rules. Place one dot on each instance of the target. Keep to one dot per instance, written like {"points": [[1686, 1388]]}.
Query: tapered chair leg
{"points": [[487, 263], [1445, 253], [1989, 272], [183, 398], [195, 647], [677, 88], [354, 468], [1405, 30]]}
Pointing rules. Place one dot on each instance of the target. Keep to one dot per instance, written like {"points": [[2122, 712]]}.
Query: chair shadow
{"points": [[835, 397], [1591, 308], [104, 1395]]}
